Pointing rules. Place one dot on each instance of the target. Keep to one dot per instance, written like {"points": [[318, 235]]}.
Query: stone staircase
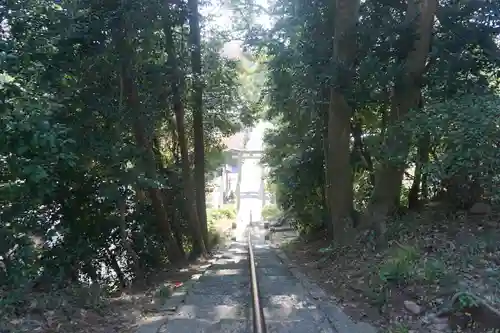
{"points": [[219, 300]]}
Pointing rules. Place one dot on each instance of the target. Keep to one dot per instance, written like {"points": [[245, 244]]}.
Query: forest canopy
{"points": [[112, 116], [400, 109]]}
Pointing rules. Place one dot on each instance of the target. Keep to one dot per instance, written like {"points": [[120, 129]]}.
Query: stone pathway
{"points": [[219, 302], [286, 305]]}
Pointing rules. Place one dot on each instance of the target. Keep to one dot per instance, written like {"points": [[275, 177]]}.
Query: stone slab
{"points": [[299, 326], [185, 326], [212, 313], [333, 312]]}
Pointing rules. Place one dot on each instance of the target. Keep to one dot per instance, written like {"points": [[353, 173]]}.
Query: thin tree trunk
{"points": [[338, 166], [174, 253], [197, 96], [158, 156], [89, 269], [168, 196], [238, 181], [425, 185], [113, 263], [74, 272], [359, 146], [126, 241], [176, 219], [414, 197], [130, 95], [414, 193], [199, 247], [406, 95], [325, 108]]}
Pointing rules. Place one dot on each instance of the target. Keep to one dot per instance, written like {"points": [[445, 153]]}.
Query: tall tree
{"points": [[394, 68], [338, 166], [91, 175], [197, 107], [144, 139], [176, 87], [406, 95]]}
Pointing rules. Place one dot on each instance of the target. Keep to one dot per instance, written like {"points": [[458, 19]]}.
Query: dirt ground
{"points": [[91, 310], [400, 289]]}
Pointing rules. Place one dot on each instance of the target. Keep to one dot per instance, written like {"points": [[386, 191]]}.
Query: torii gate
{"points": [[247, 154], [243, 155]]}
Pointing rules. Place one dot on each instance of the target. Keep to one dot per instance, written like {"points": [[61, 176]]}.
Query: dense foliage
{"points": [[98, 119], [380, 107]]}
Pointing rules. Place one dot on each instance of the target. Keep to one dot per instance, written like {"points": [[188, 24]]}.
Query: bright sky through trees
{"points": [[223, 20]]}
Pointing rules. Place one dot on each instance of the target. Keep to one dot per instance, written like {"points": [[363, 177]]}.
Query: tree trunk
{"points": [[238, 181], [136, 262], [113, 263], [144, 142], [176, 219], [199, 247], [91, 272], [406, 95], [174, 253], [325, 108], [414, 197], [197, 96], [363, 153], [189, 195], [168, 196], [338, 166]]}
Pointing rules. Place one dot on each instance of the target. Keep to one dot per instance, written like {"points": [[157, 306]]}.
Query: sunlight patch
{"points": [[224, 272], [232, 50]]}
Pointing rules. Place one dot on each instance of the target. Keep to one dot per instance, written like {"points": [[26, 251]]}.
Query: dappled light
{"points": [[249, 166]]}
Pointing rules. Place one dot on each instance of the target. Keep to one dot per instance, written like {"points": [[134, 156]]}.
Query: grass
{"points": [[270, 212], [399, 266], [220, 221], [398, 328]]}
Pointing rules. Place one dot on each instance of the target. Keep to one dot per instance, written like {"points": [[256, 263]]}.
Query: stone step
{"points": [[224, 271], [268, 259], [269, 288], [230, 326], [214, 278], [204, 326], [185, 325], [298, 326], [230, 258], [234, 289], [273, 271], [239, 251], [243, 264], [292, 313], [212, 313], [226, 296]]}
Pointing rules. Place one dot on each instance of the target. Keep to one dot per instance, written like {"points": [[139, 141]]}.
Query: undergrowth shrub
{"points": [[466, 154], [400, 265], [226, 212], [270, 212], [406, 264], [216, 217]]}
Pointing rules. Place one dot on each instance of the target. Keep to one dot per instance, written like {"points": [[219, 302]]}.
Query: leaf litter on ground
{"points": [[89, 310], [428, 260]]}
